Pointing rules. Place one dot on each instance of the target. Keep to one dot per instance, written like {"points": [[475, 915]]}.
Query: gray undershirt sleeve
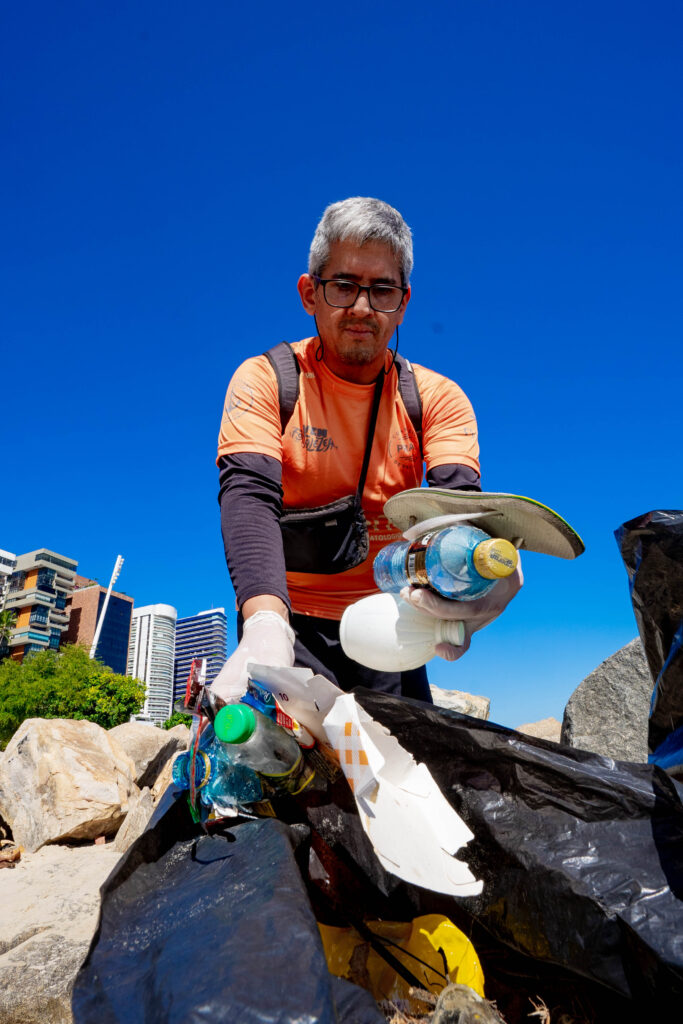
{"points": [[454, 478], [250, 497]]}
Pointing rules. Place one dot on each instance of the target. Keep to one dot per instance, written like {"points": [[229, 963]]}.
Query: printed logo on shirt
{"points": [[240, 399], [313, 439], [381, 530], [402, 448]]}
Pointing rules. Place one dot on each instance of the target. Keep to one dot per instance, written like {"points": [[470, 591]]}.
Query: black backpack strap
{"points": [[287, 369], [410, 395], [286, 366]]}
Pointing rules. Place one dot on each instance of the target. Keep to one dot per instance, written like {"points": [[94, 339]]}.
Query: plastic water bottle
{"points": [[461, 563], [219, 781], [255, 741]]}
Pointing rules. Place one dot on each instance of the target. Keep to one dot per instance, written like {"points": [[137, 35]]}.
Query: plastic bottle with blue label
{"points": [[219, 781], [460, 563], [255, 741]]}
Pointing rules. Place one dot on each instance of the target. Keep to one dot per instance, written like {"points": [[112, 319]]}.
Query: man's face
{"points": [[355, 338]]}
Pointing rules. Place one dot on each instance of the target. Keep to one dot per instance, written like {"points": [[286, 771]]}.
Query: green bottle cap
{"points": [[234, 723]]}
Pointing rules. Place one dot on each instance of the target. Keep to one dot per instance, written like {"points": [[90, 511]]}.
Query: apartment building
{"points": [[38, 591], [84, 606], [8, 563], [151, 655], [203, 635]]}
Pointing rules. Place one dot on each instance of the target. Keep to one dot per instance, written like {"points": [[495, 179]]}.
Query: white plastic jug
{"points": [[388, 634]]}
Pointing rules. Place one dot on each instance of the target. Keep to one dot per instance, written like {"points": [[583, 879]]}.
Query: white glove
{"points": [[266, 639], [473, 614]]}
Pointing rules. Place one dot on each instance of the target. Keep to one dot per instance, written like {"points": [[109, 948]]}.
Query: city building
{"points": [[84, 606], [199, 636], [8, 563], [38, 591], [150, 657]]}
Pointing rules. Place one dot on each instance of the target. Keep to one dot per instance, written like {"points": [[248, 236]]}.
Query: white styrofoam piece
{"points": [[414, 830]]}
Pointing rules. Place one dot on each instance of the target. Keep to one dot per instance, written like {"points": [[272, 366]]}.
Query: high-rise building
{"points": [[150, 657], [199, 636], [8, 563], [38, 592], [85, 605]]}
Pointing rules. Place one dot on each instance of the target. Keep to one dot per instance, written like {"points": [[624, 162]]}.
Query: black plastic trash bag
{"points": [[581, 858], [200, 928], [652, 548]]}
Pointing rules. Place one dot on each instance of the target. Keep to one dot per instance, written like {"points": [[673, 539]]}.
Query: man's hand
{"points": [[266, 639], [473, 614]]}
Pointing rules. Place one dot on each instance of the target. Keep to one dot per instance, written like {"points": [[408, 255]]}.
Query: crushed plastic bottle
{"points": [[220, 782], [461, 563], [254, 741]]}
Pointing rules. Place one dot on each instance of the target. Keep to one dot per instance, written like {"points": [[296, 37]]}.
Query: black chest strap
{"points": [[287, 369]]}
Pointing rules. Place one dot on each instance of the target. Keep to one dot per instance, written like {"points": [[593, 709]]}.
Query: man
{"points": [[357, 289]]}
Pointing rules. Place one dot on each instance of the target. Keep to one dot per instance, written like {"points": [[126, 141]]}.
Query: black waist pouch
{"points": [[327, 539]]}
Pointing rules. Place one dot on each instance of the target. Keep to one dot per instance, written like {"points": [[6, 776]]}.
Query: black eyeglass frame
{"points": [[361, 288]]}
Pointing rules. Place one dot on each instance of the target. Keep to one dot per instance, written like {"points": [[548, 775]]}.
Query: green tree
{"points": [[7, 620], [65, 684], [177, 718]]}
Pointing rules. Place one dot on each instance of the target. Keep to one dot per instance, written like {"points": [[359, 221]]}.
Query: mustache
{"points": [[368, 325]]}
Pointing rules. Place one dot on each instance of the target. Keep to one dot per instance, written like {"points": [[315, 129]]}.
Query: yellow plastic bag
{"points": [[350, 956]]}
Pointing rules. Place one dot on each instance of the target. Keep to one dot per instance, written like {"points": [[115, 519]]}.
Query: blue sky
{"points": [[164, 170]]}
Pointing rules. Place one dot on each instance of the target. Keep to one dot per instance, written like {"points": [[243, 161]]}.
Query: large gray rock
{"points": [[608, 711], [50, 904], [63, 779], [149, 748], [465, 703]]}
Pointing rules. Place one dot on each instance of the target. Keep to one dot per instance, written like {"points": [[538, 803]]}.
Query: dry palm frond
{"points": [[541, 1011]]}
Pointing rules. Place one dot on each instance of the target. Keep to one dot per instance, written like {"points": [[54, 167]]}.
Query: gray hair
{"points": [[362, 220]]}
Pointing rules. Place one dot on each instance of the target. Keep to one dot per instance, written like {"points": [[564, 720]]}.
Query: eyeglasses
{"points": [[383, 298]]}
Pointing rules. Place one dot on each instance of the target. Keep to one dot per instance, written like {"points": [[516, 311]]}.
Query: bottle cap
{"points": [[182, 767], [180, 771], [495, 558], [234, 723]]}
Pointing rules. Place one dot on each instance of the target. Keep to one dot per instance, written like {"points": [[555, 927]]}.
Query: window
{"points": [[16, 581], [44, 556], [46, 578]]}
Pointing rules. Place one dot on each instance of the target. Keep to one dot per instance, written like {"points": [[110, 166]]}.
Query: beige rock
{"points": [[63, 779], [464, 703], [50, 905], [545, 729], [163, 782], [140, 811], [149, 747]]}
